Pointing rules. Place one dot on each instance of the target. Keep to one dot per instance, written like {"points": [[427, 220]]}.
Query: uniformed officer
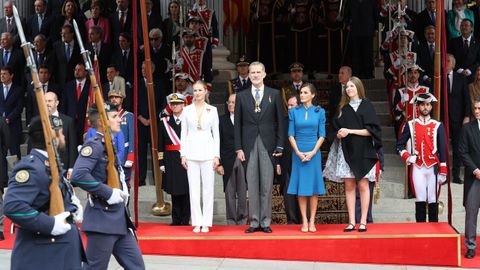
{"points": [[49, 242], [175, 181], [293, 88], [106, 224]]}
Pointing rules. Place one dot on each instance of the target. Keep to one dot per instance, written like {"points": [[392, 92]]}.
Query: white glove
{"points": [[78, 215], [397, 63], [388, 35], [118, 196], [128, 164], [441, 178], [162, 168], [412, 159], [405, 97], [179, 63], [60, 226]]}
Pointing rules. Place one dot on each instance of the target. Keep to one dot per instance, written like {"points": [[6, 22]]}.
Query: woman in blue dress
{"points": [[306, 132]]}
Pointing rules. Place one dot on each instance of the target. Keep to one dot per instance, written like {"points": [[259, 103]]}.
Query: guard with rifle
{"points": [[43, 239], [107, 224], [426, 153], [209, 23]]}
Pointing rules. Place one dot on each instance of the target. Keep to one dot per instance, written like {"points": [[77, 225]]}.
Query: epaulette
{"points": [[28, 158]]}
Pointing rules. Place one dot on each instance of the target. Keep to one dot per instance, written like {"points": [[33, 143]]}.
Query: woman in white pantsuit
{"points": [[200, 153]]}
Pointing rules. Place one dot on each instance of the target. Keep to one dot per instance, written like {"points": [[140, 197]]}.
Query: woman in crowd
{"points": [[474, 87], [69, 13], [306, 132], [171, 25], [455, 17], [97, 19], [200, 153], [353, 155]]}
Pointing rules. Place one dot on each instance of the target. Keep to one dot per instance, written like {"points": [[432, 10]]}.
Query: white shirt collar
{"points": [[8, 85], [82, 81], [232, 118], [469, 38], [43, 152], [478, 121], [56, 113]]}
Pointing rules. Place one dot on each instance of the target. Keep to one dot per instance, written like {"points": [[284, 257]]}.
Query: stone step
{"points": [[388, 132], [377, 94], [381, 107]]}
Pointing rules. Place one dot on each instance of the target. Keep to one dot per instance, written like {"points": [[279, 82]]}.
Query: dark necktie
{"points": [[244, 82], [9, 24], [434, 17], [5, 57], [124, 59], [465, 46], [177, 121], [67, 52], [122, 19], [432, 50], [40, 59]]}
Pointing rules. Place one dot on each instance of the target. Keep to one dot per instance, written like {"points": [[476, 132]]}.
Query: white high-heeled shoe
{"points": [[205, 229], [196, 229]]}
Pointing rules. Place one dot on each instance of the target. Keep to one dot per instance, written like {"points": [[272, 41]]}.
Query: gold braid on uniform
{"points": [[160, 155]]}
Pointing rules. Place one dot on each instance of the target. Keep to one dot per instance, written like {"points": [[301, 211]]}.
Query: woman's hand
{"points": [[308, 156], [343, 132], [184, 163], [301, 155], [216, 163]]}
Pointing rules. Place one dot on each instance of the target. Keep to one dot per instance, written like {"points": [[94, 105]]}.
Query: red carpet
{"points": [[404, 244]]}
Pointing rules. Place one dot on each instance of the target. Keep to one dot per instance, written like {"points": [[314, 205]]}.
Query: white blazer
{"points": [[200, 144]]}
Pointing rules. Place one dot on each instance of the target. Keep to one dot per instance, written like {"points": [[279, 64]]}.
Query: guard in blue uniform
{"points": [[42, 241], [106, 222]]}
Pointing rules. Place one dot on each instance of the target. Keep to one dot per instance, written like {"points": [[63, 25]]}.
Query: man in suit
{"points": [[11, 106], [154, 20], [231, 169], [241, 82], [423, 19], [121, 20], [122, 58], [67, 56], [259, 138], [459, 111], [334, 95], [75, 99], [39, 23], [68, 154], [42, 55], [470, 152], [31, 107], [426, 54], [293, 88], [8, 24], [465, 49], [102, 50], [12, 57], [160, 52]]}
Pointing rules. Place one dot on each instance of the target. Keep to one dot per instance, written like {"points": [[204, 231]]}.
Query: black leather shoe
{"points": [[2, 237], [457, 181], [252, 229], [267, 230], [349, 228], [470, 254]]}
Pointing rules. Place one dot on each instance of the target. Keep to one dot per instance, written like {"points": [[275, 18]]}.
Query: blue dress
{"points": [[306, 178]]}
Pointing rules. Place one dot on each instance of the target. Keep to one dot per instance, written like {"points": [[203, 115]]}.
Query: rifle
{"points": [[160, 208], [174, 59], [112, 173], [56, 198]]}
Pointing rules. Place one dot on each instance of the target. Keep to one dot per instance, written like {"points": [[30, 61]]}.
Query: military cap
{"points": [[414, 67], [118, 87], [243, 61], [193, 19], [175, 98], [296, 66], [188, 32], [184, 76], [426, 97], [407, 33], [36, 124]]}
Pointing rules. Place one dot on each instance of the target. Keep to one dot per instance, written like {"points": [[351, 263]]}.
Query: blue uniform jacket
{"points": [[90, 174], [127, 127], [118, 141], [26, 204]]}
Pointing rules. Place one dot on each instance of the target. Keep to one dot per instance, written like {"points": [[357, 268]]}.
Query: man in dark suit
{"points": [[423, 19], [31, 107], [476, 17], [426, 54], [121, 20], [240, 83], [39, 23], [459, 111], [12, 57], [469, 149], [160, 52], [259, 138], [154, 20], [67, 56], [102, 50], [465, 49], [8, 24], [122, 58], [143, 125], [75, 98], [42, 54], [232, 170], [11, 106], [293, 87], [68, 154], [334, 95]]}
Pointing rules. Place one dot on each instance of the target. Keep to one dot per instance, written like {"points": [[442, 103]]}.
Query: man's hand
{"points": [[185, 163], [118, 196], [220, 170], [241, 155], [61, 226]]}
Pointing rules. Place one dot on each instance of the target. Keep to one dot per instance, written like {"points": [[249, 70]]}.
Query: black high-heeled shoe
{"points": [[349, 228], [364, 229]]}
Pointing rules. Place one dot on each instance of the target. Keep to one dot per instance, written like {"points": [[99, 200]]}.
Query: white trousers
{"points": [[424, 182], [201, 180]]}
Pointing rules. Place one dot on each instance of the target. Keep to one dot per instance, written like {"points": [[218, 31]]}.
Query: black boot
{"points": [[433, 212], [421, 211]]}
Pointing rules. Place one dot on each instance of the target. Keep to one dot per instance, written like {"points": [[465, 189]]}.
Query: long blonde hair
{"points": [[345, 99]]}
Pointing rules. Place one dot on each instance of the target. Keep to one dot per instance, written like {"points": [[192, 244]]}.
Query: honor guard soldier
{"points": [[106, 222], [293, 89], [427, 155], [42, 241], [183, 86], [209, 23], [240, 83], [175, 181], [117, 96]]}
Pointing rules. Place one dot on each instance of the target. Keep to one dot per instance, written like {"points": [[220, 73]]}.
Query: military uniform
{"points": [[403, 110], [175, 181], [108, 227], [293, 88], [238, 84], [27, 204], [209, 23]]}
